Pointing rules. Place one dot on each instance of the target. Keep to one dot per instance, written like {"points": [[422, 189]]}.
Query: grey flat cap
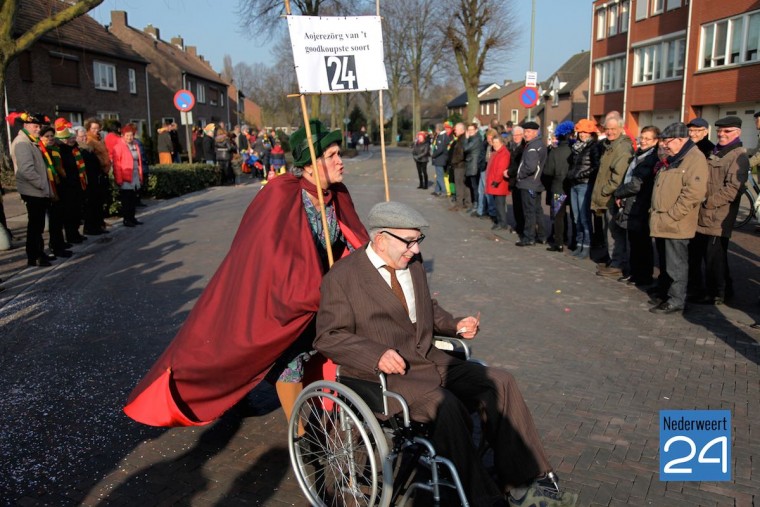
{"points": [[674, 130], [395, 215]]}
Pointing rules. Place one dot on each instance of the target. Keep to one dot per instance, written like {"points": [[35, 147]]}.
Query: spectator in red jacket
{"points": [[127, 171], [496, 174]]}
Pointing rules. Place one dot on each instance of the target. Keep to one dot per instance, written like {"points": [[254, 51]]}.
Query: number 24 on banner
{"points": [[341, 72]]}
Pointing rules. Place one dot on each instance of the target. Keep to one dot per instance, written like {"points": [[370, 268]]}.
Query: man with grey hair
{"points": [[617, 155], [457, 163], [376, 315], [680, 188], [439, 154]]}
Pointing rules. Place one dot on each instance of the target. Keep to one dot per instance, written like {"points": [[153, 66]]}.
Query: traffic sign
{"points": [[184, 100], [531, 79], [529, 96]]}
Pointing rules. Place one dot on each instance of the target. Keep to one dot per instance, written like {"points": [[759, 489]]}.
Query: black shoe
{"points": [[76, 240], [50, 257], [642, 283], [62, 253], [525, 243], [67, 245], [666, 309], [42, 262], [555, 248], [657, 300], [625, 278], [137, 222], [94, 232], [129, 223], [140, 204]]}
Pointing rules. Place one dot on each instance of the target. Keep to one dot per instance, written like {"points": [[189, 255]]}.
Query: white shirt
{"points": [[404, 280]]}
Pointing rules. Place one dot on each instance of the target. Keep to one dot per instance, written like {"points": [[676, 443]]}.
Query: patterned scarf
{"points": [[80, 167], [53, 178], [454, 139]]}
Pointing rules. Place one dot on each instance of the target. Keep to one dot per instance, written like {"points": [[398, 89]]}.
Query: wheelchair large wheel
{"points": [[340, 460]]}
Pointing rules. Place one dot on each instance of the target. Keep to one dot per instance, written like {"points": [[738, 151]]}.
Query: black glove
{"points": [[495, 184]]}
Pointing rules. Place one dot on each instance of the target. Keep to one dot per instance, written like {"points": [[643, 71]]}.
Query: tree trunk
{"points": [[473, 103], [316, 107], [416, 111], [5, 159], [394, 121]]}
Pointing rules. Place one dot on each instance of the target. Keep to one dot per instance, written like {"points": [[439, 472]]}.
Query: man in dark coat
{"points": [[698, 135], [377, 315], [530, 186], [461, 197], [439, 154]]}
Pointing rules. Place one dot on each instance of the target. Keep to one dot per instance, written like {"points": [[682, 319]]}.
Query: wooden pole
{"points": [[382, 129], [317, 179]]}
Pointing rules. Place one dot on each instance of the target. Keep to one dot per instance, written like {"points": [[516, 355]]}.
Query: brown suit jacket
{"points": [[360, 318]]}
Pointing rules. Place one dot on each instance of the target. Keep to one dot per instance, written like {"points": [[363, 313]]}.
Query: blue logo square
{"points": [[695, 445]]}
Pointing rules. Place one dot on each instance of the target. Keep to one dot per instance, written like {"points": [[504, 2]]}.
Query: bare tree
{"points": [[243, 76], [477, 31], [394, 41], [228, 73], [12, 44]]}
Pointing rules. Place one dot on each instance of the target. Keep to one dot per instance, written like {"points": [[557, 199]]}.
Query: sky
{"points": [[562, 29]]}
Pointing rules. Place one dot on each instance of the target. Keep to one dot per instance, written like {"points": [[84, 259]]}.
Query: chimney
{"points": [[119, 18], [192, 50], [153, 32], [507, 82], [178, 42]]}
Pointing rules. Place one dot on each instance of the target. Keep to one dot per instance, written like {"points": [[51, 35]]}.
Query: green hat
{"points": [[322, 138]]}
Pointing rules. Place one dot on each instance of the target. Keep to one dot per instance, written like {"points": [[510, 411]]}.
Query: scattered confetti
{"points": [[558, 291], [567, 310]]}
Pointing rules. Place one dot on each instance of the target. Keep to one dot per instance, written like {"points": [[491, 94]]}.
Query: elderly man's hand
{"points": [[467, 328], [391, 363]]}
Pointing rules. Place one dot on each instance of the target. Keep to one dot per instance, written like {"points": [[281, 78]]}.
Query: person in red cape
{"points": [[255, 319]]}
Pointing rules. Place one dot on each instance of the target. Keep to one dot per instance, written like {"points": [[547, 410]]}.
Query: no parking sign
{"points": [[529, 96]]}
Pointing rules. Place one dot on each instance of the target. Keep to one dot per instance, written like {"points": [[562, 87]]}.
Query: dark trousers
{"points": [[507, 427], [463, 193], [517, 209], [712, 252], [93, 207], [534, 216], [642, 255], [500, 202], [674, 269], [72, 217], [422, 174], [56, 216], [128, 204], [473, 182], [559, 223], [36, 207]]}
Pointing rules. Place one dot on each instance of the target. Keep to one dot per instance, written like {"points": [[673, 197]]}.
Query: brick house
{"points": [[244, 110], [505, 102], [459, 103], [660, 61], [175, 66], [76, 71], [565, 94]]}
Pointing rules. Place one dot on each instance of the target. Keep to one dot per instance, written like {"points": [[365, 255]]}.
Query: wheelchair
{"points": [[347, 449]]}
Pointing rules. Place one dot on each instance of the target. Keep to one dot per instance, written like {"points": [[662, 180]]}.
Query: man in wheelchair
{"points": [[377, 315]]}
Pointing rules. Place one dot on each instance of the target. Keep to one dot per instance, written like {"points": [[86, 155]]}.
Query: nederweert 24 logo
{"points": [[695, 445]]}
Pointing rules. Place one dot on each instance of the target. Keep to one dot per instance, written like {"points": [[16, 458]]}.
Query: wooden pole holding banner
{"points": [[317, 179], [382, 129]]}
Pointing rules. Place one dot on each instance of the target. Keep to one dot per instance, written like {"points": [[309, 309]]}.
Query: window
{"points": [[141, 126], [105, 76], [515, 116], [730, 41], [108, 115], [658, 62], [200, 95], [25, 65], [165, 119], [609, 75], [74, 117], [657, 6], [64, 69], [221, 98], [213, 96], [132, 81], [612, 19], [488, 108], [674, 4], [642, 8]]}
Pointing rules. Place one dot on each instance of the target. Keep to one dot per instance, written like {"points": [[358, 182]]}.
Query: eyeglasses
{"points": [[726, 131], [409, 243]]}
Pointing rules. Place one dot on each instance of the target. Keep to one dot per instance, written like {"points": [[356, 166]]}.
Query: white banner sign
{"points": [[338, 54]]}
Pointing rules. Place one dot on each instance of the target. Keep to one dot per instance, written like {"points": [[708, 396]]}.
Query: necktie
{"points": [[396, 287]]}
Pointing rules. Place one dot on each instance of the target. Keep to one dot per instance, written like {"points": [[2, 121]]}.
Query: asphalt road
{"points": [[594, 365]]}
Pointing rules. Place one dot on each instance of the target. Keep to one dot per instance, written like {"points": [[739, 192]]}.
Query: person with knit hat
{"points": [[74, 180], [209, 147], [256, 317], [586, 152], [557, 166], [32, 182]]}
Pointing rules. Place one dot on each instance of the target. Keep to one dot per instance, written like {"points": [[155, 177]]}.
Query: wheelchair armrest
{"points": [[454, 346], [375, 394]]}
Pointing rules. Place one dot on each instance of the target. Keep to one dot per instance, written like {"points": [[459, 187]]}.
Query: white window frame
{"points": [[658, 6], [625, 13], [612, 20], [651, 59], [716, 49], [515, 116], [107, 81], [601, 23], [609, 74], [642, 9], [107, 115], [132, 81], [673, 4], [200, 94]]}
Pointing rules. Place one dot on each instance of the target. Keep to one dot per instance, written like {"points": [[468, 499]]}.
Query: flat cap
{"points": [[729, 121], [757, 114], [677, 129], [531, 125], [395, 215], [698, 122]]}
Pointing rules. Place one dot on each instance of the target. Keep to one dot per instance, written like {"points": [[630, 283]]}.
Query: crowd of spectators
{"points": [[672, 192]]}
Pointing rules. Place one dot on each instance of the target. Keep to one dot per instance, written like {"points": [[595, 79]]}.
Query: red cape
{"points": [[261, 299]]}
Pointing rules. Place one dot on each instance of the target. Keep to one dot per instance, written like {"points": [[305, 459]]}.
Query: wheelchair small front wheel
{"points": [[340, 459]]}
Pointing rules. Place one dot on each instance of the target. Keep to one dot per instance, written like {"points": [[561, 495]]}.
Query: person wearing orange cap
{"points": [[421, 155], [584, 165]]}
